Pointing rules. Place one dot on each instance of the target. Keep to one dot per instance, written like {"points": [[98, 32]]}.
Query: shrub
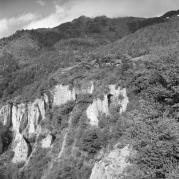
{"points": [[67, 107], [91, 141], [157, 145]]}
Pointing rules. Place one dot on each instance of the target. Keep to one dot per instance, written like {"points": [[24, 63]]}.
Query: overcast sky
{"points": [[32, 14]]}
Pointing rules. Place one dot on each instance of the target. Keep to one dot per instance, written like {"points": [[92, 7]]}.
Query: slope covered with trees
{"points": [[59, 47], [144, 60]]}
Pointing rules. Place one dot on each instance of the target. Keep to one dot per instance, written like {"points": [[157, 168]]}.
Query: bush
{"points": [[91, 141], [157, 145], [67, 107]]}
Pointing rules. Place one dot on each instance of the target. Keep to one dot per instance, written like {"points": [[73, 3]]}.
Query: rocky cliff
{"points": [[114, 165], [116, 96], [24, 119]]}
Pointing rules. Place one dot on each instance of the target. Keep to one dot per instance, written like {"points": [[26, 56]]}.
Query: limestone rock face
{"points": [[25, 123], [19, 145], [18, 112], [20, 149], [116, 96], [113, 165], [24, 119], [46, 142], [62, 94], [98, 106], [36, 113]]}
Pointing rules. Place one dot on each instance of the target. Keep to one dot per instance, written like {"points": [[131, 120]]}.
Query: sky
{"points": [[31, 14]]}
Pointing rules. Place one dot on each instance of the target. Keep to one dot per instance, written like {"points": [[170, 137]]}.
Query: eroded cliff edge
{"points": [[25, 120]]}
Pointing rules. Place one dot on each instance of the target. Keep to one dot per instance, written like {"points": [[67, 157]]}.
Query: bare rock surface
{"points": [[113, 165], [118, 97]]}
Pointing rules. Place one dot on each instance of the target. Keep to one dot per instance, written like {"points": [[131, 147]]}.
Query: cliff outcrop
{"points": [[113, 165], [24, 119]]}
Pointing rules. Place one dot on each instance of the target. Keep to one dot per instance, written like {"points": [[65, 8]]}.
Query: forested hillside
{"points": [[92, 96], [50, 49]]}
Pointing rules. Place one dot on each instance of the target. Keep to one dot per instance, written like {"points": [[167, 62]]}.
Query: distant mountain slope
{"points": [[148, 39], [27, 44], [99, 28]]}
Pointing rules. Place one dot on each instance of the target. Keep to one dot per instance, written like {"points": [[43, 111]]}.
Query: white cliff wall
{"points": [[19, 144], [20, 149], [113, 165], [36, 113], [25, 117], [98, 106], [118, 98], [18, 112], [25, 123], [62, 93], [47, 141]]}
